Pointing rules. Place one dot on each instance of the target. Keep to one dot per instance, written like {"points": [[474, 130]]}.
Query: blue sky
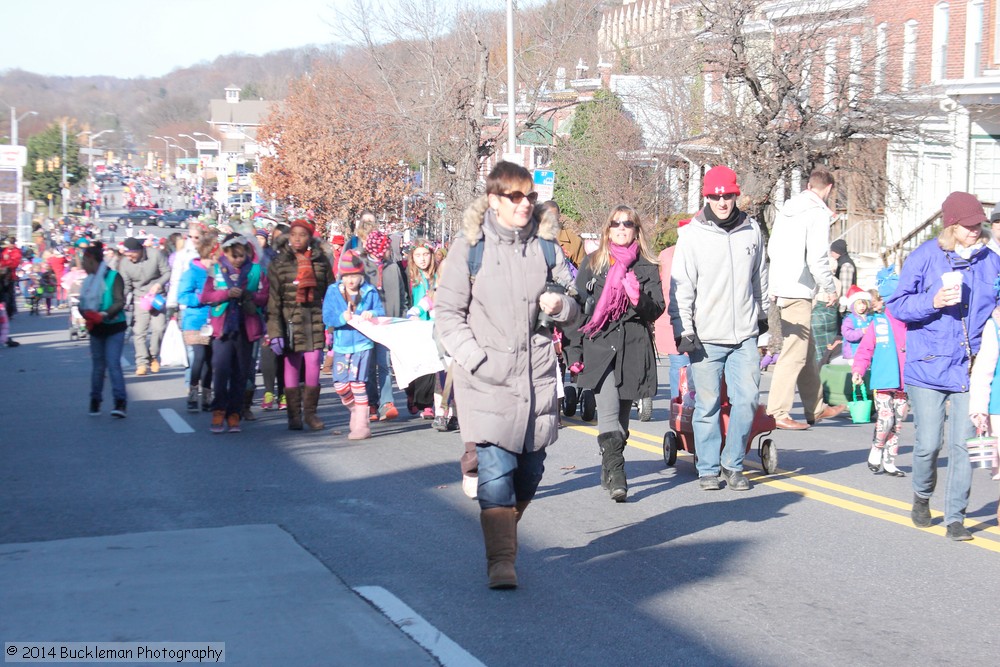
{"points": [[152, 37], [149, 38]]}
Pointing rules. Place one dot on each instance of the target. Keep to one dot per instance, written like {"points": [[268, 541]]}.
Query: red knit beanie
{"points": [[304, 224], [720, 181]]}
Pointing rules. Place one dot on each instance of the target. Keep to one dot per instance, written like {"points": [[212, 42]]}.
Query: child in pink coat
{"points": [[882, 347]]}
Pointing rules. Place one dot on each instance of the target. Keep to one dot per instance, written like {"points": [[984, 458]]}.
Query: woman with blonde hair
{"points": [[613, 350], [424, 393]]}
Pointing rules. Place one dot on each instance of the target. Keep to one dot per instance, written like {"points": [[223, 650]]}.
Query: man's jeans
{"points": [[379, 377], [106, 356], [506, 478], [929, 414], [741, 366], [677, 362]]}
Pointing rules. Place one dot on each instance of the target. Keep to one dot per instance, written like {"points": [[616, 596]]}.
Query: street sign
{"points": [[187, 160], [13, 156], [440, 205], [545, 181]]}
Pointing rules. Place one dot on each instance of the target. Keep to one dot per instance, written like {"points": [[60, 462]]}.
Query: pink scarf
{"points": [[613, 302]]}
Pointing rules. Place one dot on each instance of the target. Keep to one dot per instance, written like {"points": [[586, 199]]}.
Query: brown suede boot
{"points": [[328, 364], [310, 399], [500, 536], [294, 397], [360, 426]]}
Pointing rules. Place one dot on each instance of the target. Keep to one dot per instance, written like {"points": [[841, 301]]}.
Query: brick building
{"points": [[938, 61]]}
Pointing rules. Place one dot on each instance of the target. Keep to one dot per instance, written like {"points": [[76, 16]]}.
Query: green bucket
{"points": [[861, 410]]}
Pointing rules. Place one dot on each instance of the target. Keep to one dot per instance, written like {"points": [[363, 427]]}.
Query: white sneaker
{"points": [[470, 485]]}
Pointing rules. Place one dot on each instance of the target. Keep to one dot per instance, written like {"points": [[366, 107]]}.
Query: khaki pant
{"points": [[152, 322], [797, 363]]}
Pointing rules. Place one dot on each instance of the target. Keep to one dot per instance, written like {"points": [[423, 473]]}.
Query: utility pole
{"points": [[65, 184], [511, 101]]}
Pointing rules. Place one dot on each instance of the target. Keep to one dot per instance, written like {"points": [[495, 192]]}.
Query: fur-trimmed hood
{"points": [[472, 222]]}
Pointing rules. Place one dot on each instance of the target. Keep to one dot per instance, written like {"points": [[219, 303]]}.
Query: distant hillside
{"points": [[176, 102]]}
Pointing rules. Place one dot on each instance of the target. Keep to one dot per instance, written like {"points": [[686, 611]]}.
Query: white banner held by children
{"points": [[411, 345]]}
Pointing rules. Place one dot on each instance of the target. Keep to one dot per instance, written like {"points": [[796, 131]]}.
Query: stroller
{"points": [[72, 282], [574, 398], [681, 433]]}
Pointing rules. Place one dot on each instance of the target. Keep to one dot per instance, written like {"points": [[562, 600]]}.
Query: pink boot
{"points": [[360, 428]]}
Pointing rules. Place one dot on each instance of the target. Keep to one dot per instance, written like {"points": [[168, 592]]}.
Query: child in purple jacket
{"points": [[859, 316]]}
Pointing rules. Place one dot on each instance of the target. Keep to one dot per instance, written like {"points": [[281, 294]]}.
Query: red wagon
{"points": [[681, 434]]}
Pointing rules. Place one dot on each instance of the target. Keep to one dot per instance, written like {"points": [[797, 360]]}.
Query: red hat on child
{"points": [[376, 244], [855, 294], [304, 224]]}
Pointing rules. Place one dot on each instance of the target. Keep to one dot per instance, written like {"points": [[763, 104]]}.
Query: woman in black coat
{"points": [[613, 349]]}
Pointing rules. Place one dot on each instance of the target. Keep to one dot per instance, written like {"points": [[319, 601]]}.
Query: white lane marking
{"points": [[426, 635], [175, 421]]}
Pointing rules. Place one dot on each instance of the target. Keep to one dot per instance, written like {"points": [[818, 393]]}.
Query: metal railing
{"points": [[928, 229]]}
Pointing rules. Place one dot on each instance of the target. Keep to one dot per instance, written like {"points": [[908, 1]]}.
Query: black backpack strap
{"points": [[475, 258], [549, 250]]}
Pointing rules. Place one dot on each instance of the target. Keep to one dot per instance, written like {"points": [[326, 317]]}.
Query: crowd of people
{"points": [[516, 302]]}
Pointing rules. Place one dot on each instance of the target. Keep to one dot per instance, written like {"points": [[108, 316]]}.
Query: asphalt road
{"points": [[816, 565]]}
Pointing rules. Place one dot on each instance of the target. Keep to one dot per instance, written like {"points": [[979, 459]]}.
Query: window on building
{"points": [[854, 80], [973, 39], [986, 168], [939, 43], [881, 57], [909, 54], [830, 72], [805, 90]]}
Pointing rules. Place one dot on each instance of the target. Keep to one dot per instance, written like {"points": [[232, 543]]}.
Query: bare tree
{"points": [[778, 88]]}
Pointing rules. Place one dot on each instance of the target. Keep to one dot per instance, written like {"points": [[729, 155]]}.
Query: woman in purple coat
{"points": [[945, 296]]}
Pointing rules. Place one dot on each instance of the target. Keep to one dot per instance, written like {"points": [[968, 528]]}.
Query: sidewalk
{"points": [[252, 587]]}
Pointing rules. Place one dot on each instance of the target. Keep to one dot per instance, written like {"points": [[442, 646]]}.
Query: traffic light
{"points": [[39, 165], [55, 162], [110, 156]]}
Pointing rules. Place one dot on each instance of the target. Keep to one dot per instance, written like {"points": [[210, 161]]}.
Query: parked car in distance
{"points": [[142, 216], [178, 217]]}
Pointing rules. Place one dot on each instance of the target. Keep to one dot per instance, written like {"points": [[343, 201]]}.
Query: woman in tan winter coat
{"points": [[489, 302]]}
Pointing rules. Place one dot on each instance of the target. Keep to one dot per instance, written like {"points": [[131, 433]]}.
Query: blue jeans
{"points": [[741, 366], [506, 478], [230, 365], [929, 414], [677, 362], [106, 356], [379, 377]]}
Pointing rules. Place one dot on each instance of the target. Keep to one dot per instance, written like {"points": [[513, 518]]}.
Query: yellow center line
{"points": [[779, 480]]}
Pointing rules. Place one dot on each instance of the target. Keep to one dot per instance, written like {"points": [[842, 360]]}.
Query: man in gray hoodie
{"points": [[718, 307], [799, 267]]}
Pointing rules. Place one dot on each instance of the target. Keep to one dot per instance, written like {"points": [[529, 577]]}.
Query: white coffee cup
{"points": [[951, 279]]}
